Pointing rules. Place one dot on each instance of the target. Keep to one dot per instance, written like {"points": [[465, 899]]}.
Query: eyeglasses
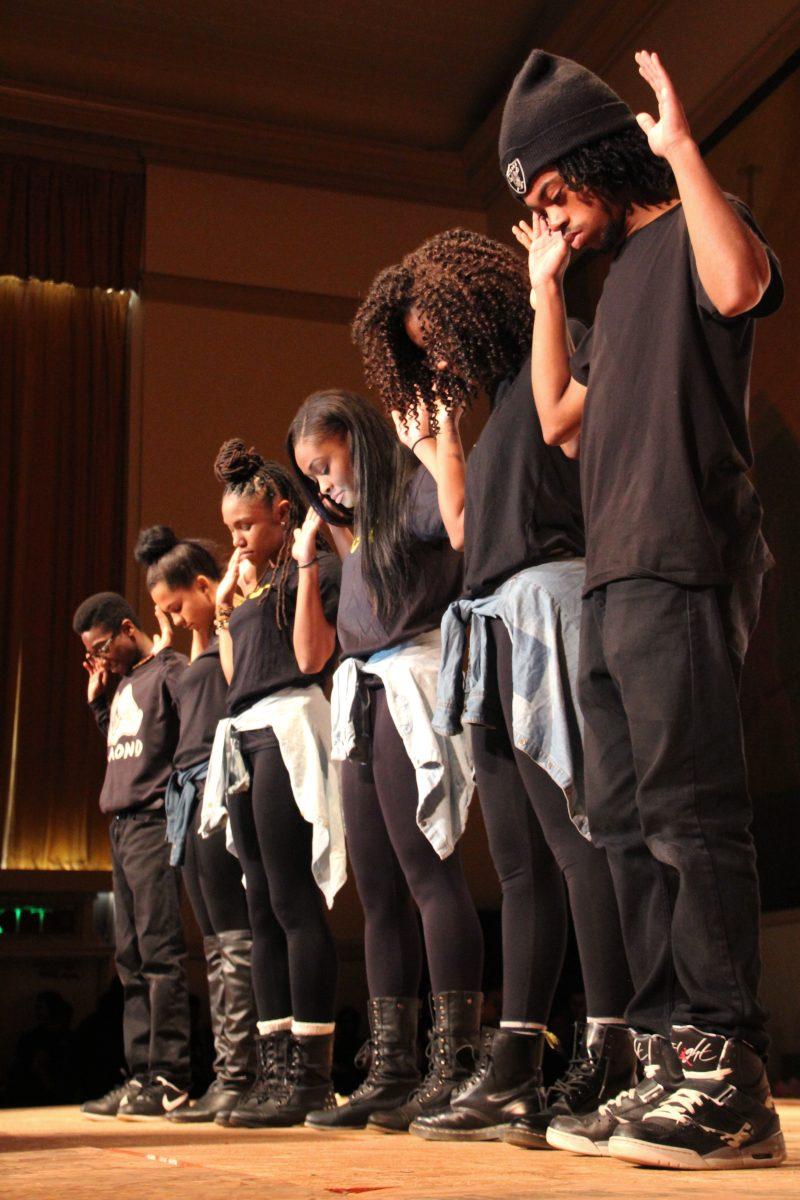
{"points": [[100, 651]]}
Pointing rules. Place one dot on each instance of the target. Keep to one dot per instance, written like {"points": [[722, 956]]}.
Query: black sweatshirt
{"points": [[141, 727]]}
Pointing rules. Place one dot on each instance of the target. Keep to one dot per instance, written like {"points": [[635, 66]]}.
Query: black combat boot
{"points": [[603, 1064], [452, 1056], [393, 1073], [272, 1065], [506, 1085], [306, 1086]]}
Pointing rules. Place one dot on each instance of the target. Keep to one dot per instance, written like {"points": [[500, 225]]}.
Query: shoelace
{"points": [[610, 1107], [370, 1053], [678, 1106], [574, 1080]]}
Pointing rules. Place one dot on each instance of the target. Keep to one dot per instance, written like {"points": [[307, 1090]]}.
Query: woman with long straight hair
{"points": [[453, 320], [406, 789], [270, 768], [182, 578]]}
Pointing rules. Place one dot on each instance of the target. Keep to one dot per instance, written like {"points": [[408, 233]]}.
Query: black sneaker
{"points": [[158, 1098], [108, 1105], [590, 1134], [722, 1117]]}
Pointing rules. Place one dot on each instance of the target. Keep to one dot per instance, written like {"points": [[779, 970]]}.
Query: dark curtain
{"points": [[70, 224], [63, 434]]}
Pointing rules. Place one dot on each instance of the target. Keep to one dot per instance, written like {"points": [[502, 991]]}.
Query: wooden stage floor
{"points": [[55, 1154]]}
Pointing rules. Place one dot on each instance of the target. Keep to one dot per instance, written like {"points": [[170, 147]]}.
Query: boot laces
{"points": [[575, 1080], [442, 1063], [371, 1052]]}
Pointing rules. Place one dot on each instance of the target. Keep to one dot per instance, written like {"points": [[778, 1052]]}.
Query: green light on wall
{"points": [[18, 911]]}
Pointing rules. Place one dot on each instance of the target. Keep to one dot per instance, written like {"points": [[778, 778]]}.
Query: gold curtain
{"points": [[63, 433]]}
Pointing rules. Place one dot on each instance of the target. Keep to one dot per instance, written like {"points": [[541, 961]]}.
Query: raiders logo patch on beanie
{"points": [[554, 106]]}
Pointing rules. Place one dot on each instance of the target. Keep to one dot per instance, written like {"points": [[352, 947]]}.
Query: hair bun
{"points": [[153, 543], [235, 465]]}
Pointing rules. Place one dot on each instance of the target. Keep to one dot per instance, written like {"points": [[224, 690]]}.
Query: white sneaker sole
{"points": [[142, 1117], [769, 1153], [560, 1140]]}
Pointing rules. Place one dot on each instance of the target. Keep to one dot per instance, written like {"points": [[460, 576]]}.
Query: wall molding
{"points": [[241, 297]]}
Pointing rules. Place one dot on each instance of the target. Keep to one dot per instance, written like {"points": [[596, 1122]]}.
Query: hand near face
{"points": [[671, 130], [166, 630], [98, 677], [548, 253], [304, 547], [230, 580]]}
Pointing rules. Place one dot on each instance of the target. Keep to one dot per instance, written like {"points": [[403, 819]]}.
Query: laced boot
{"points": [[391, 1055], [507, 1084], [452, 1054], [603, 1064], [272, 1065]]}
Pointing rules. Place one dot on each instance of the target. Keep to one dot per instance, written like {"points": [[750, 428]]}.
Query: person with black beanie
{"points": [[658, 392]]}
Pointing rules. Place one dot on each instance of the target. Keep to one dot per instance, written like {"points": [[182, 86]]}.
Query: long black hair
{"points": [[620, 169], [382, 470], [175, 561], [243, 472]]}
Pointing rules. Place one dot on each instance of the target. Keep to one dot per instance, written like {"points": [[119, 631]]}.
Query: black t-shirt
{"points": [[263, 656], [665, 445], [434, 580], [141, 728], [202, 699], [523, 497]]}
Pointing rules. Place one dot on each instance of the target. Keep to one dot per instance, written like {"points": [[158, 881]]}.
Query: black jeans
{"points": [[213, 879], [667, 790], [536, 849], [396, 868], [150, 950], [294, 964]]}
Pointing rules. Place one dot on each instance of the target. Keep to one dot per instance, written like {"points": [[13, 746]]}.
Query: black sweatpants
{"points": [[294, 964], [213, 879], [536, 848], [396, 868], [668, 798], [150, 950]]}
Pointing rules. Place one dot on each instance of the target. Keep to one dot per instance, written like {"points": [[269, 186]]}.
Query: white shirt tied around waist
{"points": [[442, 765], [300, 718]]}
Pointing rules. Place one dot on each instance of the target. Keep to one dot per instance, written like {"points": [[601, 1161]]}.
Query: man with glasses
{"points": [[141, 726]]}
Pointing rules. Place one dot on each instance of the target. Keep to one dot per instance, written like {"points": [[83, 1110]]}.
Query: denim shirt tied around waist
{"points": [[300, 718], [179, 804], [442, 765], [541, 609]]}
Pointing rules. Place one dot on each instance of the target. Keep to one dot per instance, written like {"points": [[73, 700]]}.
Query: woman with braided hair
{"points": [[270, 768], [455, 318]]}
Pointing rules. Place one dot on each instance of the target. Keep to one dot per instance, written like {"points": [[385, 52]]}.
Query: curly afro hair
{"points": [[470, 293]]}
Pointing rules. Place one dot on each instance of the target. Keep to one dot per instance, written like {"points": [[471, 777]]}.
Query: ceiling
{"points": [[356, 86], [417, 74]]}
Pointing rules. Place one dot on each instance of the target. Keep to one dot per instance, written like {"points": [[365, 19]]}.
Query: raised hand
{"points": [[98, 677], [166, 630], [412, 426], [548, 253], [305, 538], [671, 130], [226, 588]]}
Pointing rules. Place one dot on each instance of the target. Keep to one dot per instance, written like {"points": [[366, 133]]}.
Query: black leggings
{"points": [[294, 958], [395, 867], [535, 848], [213, 879]]}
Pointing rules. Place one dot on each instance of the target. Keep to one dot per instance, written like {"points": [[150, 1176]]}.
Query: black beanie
{"points": [[554, 106]]}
